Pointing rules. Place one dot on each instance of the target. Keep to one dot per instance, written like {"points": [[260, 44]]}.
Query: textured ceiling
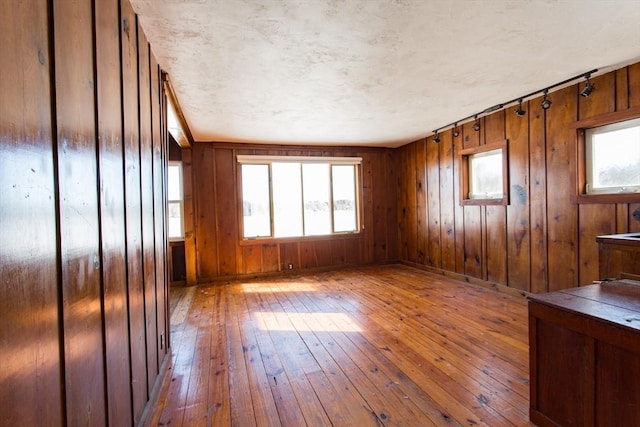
{"points": [[372, 72]]}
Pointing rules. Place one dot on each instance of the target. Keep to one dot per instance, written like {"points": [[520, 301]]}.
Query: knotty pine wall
{"points": [[220, 251], [83, 295], [542, 240]]}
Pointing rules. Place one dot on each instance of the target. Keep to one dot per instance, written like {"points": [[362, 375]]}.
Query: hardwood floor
{"points": [[364, 347]]}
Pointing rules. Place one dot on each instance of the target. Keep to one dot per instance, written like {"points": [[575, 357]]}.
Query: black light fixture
{"points": [[588, 87], [546, 102], [519, 111], [476, 125], [456, 131]]}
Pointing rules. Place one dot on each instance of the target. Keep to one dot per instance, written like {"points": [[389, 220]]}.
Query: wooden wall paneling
{"points": [[205, 208], [189, 216], [622, 88], [112, 227], [458, 209], [322, 250], [595, 219], [518, 225], [352, 249], [411, 201], [252, 256], [473, 258], [634, 101], [447, 202], [270, 258], [537, 197], [133, 219], [495, 218], [622, 103], [290, 256], [380, 204], [337, 252], [634, 84], [432, 188], [79, 224], [368, 203], [146, 185], [562, 215], [31, 389], [159, 202], [307, 255], [226, 211], [391, 197], [401, 191], [421, 203]]}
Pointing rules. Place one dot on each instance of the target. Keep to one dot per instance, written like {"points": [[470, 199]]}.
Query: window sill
{"points": [[275, 240], [607, 198], [485, 202]]}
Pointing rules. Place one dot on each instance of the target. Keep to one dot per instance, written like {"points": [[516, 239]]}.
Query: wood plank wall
{"points": [[542, 240], [219, 250], [82, 243]]}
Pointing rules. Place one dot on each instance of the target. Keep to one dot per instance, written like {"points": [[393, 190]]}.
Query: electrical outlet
{"points": [[290, 266]]}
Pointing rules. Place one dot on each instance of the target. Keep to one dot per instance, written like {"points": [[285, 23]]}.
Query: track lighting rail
{"points": [[546, 103]]}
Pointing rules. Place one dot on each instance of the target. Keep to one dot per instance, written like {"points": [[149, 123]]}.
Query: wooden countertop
{"points": [[629, 239], [616, 302]]}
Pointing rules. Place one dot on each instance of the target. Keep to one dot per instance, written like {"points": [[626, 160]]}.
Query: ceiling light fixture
{"points": [[519, 111], [476, 125], [588, 87], [546, 102]]}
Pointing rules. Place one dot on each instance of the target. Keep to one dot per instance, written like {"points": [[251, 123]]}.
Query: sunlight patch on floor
{"points": [[284, 287], [305, 322]]}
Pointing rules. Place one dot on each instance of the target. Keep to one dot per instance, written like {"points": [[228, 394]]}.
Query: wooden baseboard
{"points": [[147, 418], [468, 279]]}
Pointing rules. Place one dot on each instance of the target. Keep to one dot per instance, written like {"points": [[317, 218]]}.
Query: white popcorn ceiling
{"points": [[372, 72]]}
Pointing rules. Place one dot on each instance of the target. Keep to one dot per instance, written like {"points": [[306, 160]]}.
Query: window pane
{"points": [[256, 210], [174, 182], [287, 199], [344, 198], [485, 175], [175, 220], [615, 157], [317, 216]]}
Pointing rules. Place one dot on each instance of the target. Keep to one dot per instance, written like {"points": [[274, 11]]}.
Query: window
{"points": [[483, 177], [175, 202], [613, 158], [607, 164], [298, 196]]}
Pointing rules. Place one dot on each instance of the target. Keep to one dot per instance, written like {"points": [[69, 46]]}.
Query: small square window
{"points": [[613, 158], [483, 175]]}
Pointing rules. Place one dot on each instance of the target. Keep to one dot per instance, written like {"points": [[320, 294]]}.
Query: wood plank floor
{"points": [[364, 347]]}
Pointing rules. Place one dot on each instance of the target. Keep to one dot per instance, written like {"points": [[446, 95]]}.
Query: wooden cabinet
{"points": [[584, 346], [619, 255]]}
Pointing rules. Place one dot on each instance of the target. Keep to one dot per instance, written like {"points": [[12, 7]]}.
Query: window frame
{"points": [[331, 161], [465, 186], [180, 201], [579, 166]]}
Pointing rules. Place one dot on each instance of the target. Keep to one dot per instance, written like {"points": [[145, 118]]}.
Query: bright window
{"points": [[298, 196], [175, 201], [484, 175], [613, 158]]}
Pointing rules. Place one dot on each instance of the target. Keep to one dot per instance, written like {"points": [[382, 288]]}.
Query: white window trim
{"points": [[181, 201], [589, 132], [332, 161], [256, 159]]}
